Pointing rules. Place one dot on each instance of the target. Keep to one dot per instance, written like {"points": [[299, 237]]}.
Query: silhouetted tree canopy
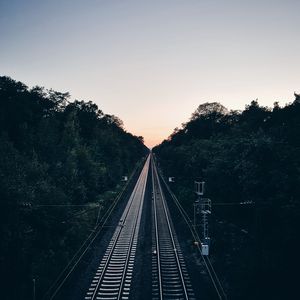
{"points": [[251, 155], [52, 151]]}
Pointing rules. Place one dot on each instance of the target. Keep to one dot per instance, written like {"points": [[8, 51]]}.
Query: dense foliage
{"points": [[52, 152], [250, 156]]}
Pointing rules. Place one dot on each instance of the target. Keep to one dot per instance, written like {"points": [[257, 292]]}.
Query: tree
{"points": [[251, 155], [209, 109], [52, 151]]}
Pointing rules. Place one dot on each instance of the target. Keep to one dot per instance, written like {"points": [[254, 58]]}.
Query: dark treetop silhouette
{"points": [[249, 156], [52, 152]]}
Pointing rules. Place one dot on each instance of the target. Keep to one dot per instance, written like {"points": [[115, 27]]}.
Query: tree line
{"points": [[52, 152], [250, 156]]}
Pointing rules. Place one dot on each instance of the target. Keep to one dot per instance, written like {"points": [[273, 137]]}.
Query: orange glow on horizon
{"points": [[153, 141]]}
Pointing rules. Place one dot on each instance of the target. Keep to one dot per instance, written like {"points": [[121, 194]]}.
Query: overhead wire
{"points": [[87, 243], [214, 278]]}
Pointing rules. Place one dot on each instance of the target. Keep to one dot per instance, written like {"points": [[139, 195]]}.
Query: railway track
{"points": [[209, 267], [114, 274], [170, 279]]}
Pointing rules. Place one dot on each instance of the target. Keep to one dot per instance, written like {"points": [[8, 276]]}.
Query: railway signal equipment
{"points": [[199, 188], [202, 206]]}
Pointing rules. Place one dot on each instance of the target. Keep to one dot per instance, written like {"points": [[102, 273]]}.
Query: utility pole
{"points": [[33, 287], [202, 206], [98, 215]]}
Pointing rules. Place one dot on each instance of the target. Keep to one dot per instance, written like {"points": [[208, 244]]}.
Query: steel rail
{"points": [[172, 235], [115, 239], [87, 243], [135, 232], [121, 241], [156, 234], [210, 269]]}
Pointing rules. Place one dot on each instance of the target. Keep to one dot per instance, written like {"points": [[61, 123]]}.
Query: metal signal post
{"points": [[202, 206]]}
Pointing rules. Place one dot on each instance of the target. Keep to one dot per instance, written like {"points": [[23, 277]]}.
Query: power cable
{"points": [[86, 243], [195, 235]]}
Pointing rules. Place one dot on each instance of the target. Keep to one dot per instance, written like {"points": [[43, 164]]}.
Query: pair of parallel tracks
{"points": [[170, 279], [114, 275]]}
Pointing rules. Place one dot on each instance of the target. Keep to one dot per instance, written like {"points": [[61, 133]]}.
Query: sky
{"points": [[152, 62]]}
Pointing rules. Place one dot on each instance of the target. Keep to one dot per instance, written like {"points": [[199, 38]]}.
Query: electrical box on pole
{"points": [[171, 179], [199, 188], [204, 249]]}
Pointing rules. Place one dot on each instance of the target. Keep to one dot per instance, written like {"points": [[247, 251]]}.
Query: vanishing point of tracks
{"points": [[170, 280]]}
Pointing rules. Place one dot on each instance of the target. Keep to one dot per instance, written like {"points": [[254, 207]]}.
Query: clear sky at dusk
{"points": [[152, 62]]}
